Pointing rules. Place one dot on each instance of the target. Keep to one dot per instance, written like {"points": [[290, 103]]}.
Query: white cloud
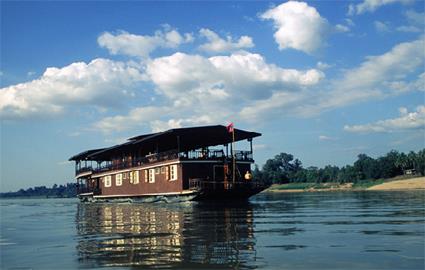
{"points": [[415, 17], [326, 138], [322, 65], [341, 28], [141, 46], [101, 82], [216, 44], [415, 20], [406, 121], [398, 87], [372, 5], [244, 75], [349, 22], [299, 26], [278, 105], [379, 76], [408, 28], [371, 79], [30, 73], [137, 117], [193, 86], [402, 110], [381, 27], [158, 125], [396, 64]]}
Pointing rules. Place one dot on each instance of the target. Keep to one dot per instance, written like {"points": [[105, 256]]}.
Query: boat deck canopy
{"points": [[85, 154], [182, 139]]}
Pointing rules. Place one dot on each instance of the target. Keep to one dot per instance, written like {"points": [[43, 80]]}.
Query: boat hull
{"points": [[148, 198], [205, 192], [230, 194]]}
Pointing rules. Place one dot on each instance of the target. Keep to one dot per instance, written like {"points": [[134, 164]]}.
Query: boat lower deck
{"points": [[199, 191]]}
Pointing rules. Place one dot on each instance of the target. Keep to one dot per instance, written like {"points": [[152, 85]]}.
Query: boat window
{"points": [[167, 173], [134, 177], [107, 181], [146, 175], [151, 175], [163, 169], [157, 170], [118, 179], [173, 172]]}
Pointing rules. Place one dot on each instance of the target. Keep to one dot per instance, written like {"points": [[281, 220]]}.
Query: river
{"points": [[328, 230]]}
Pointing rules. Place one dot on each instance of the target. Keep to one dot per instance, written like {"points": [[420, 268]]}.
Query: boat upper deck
{"points": [[183, 144]]}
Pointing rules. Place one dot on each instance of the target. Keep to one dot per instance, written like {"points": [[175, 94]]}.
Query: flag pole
{"points": [[233, 154]]}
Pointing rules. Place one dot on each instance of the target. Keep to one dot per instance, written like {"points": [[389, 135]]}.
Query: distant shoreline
{"points": [[417, 183]]}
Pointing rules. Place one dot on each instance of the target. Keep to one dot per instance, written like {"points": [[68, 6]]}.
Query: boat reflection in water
{"points": [[156, 235]]}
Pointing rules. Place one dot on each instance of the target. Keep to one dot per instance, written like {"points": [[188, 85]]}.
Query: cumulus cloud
{"points": [[142, 45], [371, 79], [372, 5], [378, 76], [101, 82], [216, 44], [401, 60], [193, 86], [135, 118], [158, 125], [406, 121], [299, 26], [245, 75], [399, 87], [278, 105], [415, 22]]}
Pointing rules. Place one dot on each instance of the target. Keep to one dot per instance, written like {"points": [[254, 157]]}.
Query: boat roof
{"points": [[185, 139], [85, 154]]}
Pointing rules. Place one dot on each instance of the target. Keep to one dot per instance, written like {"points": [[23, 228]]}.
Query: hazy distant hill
{"points": [[61, 191]]}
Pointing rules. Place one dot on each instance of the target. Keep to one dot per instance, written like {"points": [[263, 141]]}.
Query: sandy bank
{"points": [[408, 184], [331, 187]]}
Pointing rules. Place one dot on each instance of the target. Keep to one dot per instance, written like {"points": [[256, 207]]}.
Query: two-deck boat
{"points": [[196, 163]]}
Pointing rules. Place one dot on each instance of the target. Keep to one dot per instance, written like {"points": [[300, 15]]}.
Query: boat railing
{"points": [[243, 155], [202, 154], [152, 158], [83, 170], [164, 156]]}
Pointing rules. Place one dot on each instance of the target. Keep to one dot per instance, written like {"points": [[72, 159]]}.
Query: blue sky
{"points": [[322, 80]]}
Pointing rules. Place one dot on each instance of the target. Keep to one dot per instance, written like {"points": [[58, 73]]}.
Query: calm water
{"points": [[370, 230]]}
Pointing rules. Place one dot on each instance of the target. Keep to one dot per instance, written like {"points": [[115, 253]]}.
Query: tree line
{"points": [[62, 191], [284, 168]]}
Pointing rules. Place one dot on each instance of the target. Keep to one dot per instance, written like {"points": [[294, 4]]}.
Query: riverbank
{"points": [[417, 183]]}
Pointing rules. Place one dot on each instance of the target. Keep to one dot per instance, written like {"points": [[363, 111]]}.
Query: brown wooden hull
{"points": [[240, 194]]}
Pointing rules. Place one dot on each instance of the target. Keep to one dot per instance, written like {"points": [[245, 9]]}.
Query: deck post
{"points": [[250, 144], [178, 144], [233, 157]]}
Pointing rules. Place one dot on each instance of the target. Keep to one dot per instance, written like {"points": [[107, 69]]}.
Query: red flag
{"points": [[230, 128]]}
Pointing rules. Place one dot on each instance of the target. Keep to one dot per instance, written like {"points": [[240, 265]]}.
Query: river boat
{"points": [[181, 164]]}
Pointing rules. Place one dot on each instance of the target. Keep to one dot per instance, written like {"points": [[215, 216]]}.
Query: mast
{"points": [[234, 156]]}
